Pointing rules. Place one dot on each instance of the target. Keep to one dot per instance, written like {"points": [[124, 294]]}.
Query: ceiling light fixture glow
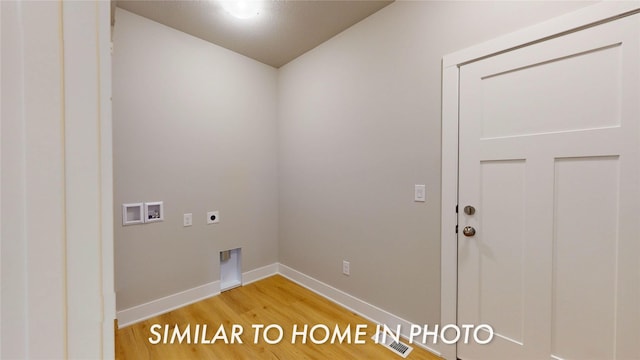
{"points": [[242, 9]]}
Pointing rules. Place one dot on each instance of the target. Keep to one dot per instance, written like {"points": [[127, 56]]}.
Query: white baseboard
{"points": [[156, 307], [163, 305], [360, 307], [370, 312], [259, 273]]}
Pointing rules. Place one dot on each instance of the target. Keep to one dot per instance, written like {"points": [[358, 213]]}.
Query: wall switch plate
{"points": [[213, 217], [420, 193], [346, 267], [187, 220]]}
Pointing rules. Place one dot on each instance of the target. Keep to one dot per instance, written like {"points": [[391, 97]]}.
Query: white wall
{"points": [[52, 301], [359, 125], [195, 127]]}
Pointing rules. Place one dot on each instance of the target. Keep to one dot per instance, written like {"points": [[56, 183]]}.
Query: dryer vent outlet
{"points": [[213, 217]]}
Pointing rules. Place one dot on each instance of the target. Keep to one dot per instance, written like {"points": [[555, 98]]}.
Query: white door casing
{"points": [[549, 143], [57, 295]]}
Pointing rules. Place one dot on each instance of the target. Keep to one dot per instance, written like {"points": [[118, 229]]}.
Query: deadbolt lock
{"points": [[469, 210]]}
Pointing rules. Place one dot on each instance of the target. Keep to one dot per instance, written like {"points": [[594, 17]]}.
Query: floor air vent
{"points": [[390, 343]]}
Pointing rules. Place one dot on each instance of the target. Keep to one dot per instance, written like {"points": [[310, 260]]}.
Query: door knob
{"points": [[469, 231]]}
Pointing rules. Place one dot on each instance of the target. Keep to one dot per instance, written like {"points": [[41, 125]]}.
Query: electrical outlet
{"points": [[187, 219], [213, 217], [346, 267]]}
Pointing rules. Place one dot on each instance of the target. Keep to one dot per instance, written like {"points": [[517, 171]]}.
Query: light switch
{"points": [[187, 220], [419, 193]]}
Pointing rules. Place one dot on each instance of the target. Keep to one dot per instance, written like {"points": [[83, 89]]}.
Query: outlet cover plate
{"points": [[187, 220], [346, 267], [213, 217]]}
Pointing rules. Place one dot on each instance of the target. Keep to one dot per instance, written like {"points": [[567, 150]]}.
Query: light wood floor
{"points": [[274, 300]]}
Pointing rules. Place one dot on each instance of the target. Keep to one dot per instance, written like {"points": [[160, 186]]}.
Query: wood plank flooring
{"points": [[274, 300]]}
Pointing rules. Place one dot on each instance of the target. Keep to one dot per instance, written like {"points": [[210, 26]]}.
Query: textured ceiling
{"points": [[283, 30]]}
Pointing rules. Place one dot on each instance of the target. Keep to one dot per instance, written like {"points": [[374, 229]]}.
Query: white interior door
{"points": [[549, 159]]}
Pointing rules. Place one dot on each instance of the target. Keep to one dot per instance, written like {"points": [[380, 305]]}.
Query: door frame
{"points": [[587, 17], [63, 270]]}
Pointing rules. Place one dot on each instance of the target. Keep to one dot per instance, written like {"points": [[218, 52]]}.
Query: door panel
{"points": [[544, 87], [585, 244], [549, 156], [502, 195]]}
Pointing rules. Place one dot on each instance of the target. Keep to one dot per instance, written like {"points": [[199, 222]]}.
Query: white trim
{"points": [[82, 180], [168, 303], [352, 303], [171, 302], [259, 273], [448, 217], [106, 181], [368, 311], [606, 10]]}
